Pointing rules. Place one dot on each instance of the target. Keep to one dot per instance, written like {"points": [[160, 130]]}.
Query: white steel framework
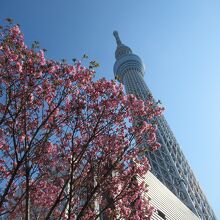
{"points": [[168, 163]]}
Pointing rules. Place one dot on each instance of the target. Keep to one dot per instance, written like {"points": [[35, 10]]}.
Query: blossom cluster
{"points": [[69, 144]]}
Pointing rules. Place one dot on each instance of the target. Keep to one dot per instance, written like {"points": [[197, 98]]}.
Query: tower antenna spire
{"points": [[118, 41]]}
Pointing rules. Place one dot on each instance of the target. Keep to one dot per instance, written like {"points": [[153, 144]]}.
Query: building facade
{"points": [[167, 205], [169, 164]]}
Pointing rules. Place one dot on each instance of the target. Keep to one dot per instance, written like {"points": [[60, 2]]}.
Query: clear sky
{"points": [[179, 42]]}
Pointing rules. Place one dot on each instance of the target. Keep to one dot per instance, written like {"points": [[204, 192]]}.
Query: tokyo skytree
{"points": [[168, 163]]}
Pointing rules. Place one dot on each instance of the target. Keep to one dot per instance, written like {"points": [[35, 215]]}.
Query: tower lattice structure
{"points": [[168, 163]]}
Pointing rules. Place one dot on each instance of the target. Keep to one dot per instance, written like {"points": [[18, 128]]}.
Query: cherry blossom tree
{"points": [[70, 146]]}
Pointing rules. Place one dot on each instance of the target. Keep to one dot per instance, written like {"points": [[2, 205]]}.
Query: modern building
{"points": [[167, 205], [169, 165]]}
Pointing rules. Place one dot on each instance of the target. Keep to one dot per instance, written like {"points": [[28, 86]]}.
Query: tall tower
{"points": [[168, 163]]}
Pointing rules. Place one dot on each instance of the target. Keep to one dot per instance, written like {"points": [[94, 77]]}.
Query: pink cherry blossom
{"points": [[70, 146]]}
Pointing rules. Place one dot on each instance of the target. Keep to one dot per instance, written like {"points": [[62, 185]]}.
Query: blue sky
{"points": [[179, 42]]}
